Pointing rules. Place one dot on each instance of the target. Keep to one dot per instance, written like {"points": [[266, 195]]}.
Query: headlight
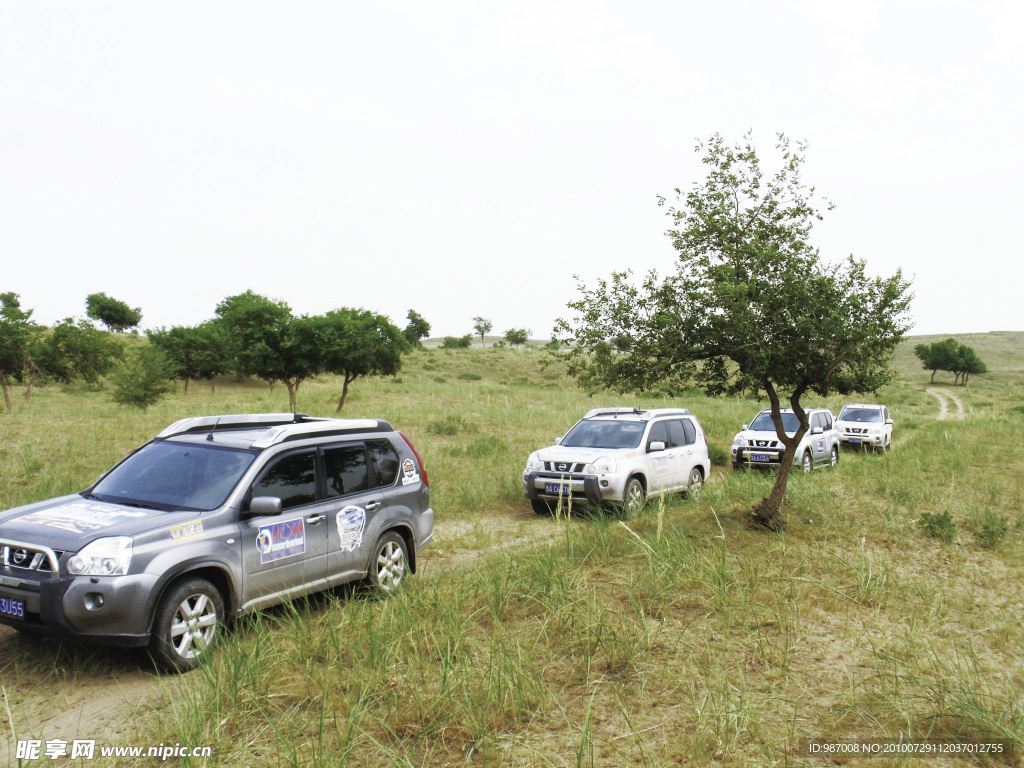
{"points": [[602, 466], [103, 557], [534, 464], [738, 440]]}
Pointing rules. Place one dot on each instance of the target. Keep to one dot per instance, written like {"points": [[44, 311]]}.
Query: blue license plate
{"points": [[11, 608], [854, 439], [760, 457], [557, 490]]}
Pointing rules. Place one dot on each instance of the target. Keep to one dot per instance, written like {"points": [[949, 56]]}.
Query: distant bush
{"points": [[456, 342], [938, 526], [440, 380], [429, 367], [470, 376], [719, 456], [143, 378]]}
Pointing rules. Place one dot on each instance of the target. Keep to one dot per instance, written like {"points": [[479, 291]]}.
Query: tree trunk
{"points": [[933, 378], [292, 388], [186, 385], [767, 513], [344, 393], [6, 387]]}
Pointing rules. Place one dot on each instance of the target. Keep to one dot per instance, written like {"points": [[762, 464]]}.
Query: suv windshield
{"points": [[871, 415], [763, 423], [167, 475], [605, 434]]}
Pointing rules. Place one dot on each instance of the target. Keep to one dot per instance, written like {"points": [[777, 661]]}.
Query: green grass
{"points": [[679, 637]]}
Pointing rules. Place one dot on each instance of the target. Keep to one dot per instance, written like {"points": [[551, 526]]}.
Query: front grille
{"points": [[564, 466], [856, 431], [763, 443], [26, 557]]}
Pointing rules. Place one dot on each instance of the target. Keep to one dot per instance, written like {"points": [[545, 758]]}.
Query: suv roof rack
{"points": [[234, 421], [645, 414], [324, 428]]}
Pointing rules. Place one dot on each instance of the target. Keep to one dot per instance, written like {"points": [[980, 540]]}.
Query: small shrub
{"points": [[938, 526], [143, 379], [991, 529], [440, 379], [429, 367], [488, 445], [470, 376]]}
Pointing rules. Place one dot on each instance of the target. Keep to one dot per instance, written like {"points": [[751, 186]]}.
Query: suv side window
{"points": [[676, 434], [291, 478], [690, 431], [826, 419], [658, 433], [384, 458], [346, 470]]}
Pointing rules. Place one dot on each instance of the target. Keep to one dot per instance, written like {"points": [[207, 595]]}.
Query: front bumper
{"points": [[744, 456], [582, 489], [872, 441], [112, 610]]}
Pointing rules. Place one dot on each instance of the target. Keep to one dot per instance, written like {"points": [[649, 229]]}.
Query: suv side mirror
{"points": [[656, 445], [744, 427], [558, 441], [888, 421], [817, 431], [265, 506]]}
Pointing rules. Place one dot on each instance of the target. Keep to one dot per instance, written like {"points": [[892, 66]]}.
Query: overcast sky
{"points": [[470, 158]]}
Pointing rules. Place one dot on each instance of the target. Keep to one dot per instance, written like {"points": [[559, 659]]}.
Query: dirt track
{"points": [[944, 398]]}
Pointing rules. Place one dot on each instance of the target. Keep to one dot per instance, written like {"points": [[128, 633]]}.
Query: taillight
{"points": [[419, 459]]}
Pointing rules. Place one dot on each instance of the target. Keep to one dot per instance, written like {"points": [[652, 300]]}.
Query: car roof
{"points": [[634, 414]]}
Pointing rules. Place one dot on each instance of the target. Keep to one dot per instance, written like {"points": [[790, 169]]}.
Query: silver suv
{"points": [[758, 445], [619, 456], [865, 426], [216, 517]]}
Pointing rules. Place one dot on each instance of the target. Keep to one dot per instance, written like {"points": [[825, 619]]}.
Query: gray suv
{"points": [[214, 518]]}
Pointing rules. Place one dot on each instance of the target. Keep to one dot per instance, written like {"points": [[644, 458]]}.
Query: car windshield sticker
{"points": [[351, 522], [187, 530], [281, 540], [81, 517], [409, 474]]}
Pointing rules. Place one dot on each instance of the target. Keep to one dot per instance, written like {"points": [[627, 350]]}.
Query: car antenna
{"points": [[210, 436]]}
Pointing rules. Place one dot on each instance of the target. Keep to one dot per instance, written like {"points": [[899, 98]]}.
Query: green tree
{"points": [[356, 342], [193, 352], [750, 306], [966, 362], [16, 331], [417, 329], [254, 329], [143, 378], [71, 350], [482, 326], [114, 314], [517, 336], [939, 356]]}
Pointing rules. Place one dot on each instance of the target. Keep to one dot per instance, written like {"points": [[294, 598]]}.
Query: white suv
{"points": [[864, 425], [758, 445], [620, 456]]}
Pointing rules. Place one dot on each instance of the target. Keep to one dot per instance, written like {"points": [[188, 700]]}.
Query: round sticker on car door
{"points": [[351, 523]]}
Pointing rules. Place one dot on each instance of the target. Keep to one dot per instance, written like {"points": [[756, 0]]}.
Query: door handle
{"points": [[372, 506], [314, 519]]}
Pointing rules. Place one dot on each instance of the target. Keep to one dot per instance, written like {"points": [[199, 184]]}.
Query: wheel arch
{"points": [[408, 537], [216, 574]]}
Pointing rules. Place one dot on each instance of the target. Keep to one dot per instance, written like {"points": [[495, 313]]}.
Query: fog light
{"points": [[93, 601], [604, 483]]}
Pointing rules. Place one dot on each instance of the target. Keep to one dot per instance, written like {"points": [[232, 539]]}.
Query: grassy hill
{"points": [[1001, 351], [890, 605]]}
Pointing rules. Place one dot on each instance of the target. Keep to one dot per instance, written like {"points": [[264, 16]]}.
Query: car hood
{"points": [[70, 522], [567, 454], [858, 424], [748, 434]]}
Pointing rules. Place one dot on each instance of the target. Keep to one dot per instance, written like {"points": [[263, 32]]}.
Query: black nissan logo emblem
{"points": [[20, 555]]}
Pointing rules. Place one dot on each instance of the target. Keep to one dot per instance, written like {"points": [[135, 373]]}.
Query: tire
{"points": [[695, 484], [808, 462], [633, 497], [187, 624], [542, 507], [389, 564], [835, 455]]}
